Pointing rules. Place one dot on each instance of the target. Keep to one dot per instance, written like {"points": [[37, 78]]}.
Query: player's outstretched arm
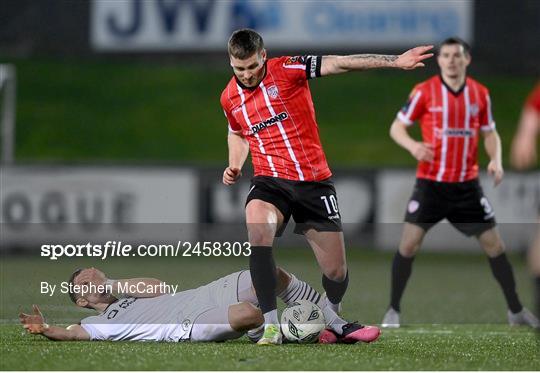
{"points": [[419, 150], [238, 152], [492, 143], [35, 324], [409, 60]]}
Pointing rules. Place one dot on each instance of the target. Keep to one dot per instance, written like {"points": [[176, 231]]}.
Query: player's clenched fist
{"points": [[230, 175]]}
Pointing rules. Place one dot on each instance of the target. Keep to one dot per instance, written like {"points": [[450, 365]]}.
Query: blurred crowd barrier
{"points": [[69, 204]]}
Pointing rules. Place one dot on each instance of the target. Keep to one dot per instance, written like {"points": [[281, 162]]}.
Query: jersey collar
{"points": [[255, 87], [460, 89]]}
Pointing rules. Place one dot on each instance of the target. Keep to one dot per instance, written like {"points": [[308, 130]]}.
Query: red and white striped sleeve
{"points": [[414, 108], [233, 125], [486, 117]]}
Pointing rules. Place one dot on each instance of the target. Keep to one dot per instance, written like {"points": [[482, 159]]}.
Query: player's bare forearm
{"points": [[523, 151], [492, 144], [72, 333], [399, 133], [411, 59], [35, 323], [419, 150], [238, 150], [342, 64]]}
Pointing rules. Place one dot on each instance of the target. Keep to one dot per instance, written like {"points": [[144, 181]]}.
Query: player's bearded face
{"points": [[251, 70], [453, 60]]}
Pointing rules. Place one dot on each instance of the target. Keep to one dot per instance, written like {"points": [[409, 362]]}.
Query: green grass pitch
{"points": [[453, 310]]}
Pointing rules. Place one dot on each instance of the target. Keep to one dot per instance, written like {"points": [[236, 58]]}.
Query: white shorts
{"points": [[215, 298]]}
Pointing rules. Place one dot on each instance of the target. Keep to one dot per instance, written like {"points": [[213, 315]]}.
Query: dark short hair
{"points": [[454, 40], [244, 43], [73, 295]]}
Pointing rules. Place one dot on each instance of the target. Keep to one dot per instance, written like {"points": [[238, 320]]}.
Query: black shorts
{"points": [[463, 204], [312, 204]]}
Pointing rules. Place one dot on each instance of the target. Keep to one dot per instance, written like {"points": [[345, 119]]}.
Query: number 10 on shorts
{"points": [[333, 203]]}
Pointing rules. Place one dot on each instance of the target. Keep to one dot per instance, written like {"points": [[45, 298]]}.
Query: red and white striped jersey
{"points": [[450, 121], [278, 119]]}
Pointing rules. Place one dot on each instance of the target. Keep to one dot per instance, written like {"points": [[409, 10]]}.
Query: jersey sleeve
{"points": [[233, 125], [413, 108], [94, 330], [302, 67], [486, 117]]}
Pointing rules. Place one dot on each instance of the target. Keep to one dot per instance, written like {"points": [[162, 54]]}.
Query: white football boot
{"points": [[523, 317], [391, 319]]}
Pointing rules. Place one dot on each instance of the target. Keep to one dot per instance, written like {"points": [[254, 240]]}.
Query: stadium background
{"points": [[119, 135]]}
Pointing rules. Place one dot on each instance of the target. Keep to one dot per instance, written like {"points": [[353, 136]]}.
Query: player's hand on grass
{"points": [[93, 276], [423, 151], [34, 323], [413, 58], [496, 171], [230, 175]]}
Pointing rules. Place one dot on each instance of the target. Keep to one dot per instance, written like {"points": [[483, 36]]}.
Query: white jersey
{"points": [[167, 318]]}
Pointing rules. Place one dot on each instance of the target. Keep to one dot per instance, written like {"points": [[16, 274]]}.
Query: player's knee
{"points": [[261, 234], [337, 273], [492, 244], [494, 249], [408, 248]]}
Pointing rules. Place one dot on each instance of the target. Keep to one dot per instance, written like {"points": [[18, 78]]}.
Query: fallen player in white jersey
{"points": [[221, 310]]}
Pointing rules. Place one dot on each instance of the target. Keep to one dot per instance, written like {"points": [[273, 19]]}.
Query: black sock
{"points": [[335, 290], [537, 294], [263, 275], [502, 271], [401, 271]]}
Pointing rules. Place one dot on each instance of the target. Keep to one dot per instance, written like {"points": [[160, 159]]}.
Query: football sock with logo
{"points": [[299, 290], [263, 276], [401, 271], [502, 271]]}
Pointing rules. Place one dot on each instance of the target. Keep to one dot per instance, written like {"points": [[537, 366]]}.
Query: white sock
{"points": [[334, 307], [255, 334], [298, 290], [271, 317], [333, 321]]}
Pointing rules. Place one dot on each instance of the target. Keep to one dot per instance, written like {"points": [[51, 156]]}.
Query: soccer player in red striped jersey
{"points": [[454, 110], [270, 114], [523, 156]]}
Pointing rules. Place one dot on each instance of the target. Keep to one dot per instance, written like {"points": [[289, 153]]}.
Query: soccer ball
{"points": [[302, 322]]}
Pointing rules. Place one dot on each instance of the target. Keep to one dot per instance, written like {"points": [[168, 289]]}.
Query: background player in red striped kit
{"points": [[270, 114], [453, 110], [523, 156]]}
